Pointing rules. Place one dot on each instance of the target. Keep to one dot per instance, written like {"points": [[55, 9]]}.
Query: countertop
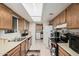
{"points": [[65, 46], [6, 47]]}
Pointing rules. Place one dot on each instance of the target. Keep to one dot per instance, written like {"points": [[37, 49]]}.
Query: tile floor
{"points": [[39, 45]]}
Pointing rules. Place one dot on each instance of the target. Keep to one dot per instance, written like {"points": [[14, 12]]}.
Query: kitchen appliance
{"points": [[65, 37], [47, 35], [24, 33], [55, 36], [74, 43]]}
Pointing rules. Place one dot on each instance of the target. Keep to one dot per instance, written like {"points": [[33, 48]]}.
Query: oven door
{"points": [[74, 43]]}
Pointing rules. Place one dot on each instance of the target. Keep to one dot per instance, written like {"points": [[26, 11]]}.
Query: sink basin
{"points": [[17, 39]]}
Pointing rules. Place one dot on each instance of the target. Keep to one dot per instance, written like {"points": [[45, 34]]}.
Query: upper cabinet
{"points": [[23, 24], [73, 16], [70, 16], [62, 18], [5, 18], [9, 23]]}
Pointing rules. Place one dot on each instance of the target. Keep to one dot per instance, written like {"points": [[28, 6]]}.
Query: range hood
{"points": [[61, 26]]}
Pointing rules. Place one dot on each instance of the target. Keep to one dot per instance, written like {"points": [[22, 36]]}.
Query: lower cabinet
{"points": [[62, 52], [14, 52], [23, 48], [28, 43]]}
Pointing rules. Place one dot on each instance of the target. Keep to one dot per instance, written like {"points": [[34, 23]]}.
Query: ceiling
{"points": [[51, 10], [45, 11], [20, 10], [34, 10]]}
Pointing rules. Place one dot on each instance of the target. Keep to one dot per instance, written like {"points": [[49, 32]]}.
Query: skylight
{"points": [[34, 10]]}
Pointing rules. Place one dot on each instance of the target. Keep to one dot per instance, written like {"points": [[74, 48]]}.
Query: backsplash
{"points": [[9, 36], [74, 31]]}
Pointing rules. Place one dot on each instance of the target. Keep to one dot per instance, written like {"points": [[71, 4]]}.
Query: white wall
{"points": [[9, 36], [45, 37], [32, 29]]}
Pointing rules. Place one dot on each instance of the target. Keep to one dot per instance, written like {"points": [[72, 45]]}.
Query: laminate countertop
{"points": [[66, 47], [6, 47]]}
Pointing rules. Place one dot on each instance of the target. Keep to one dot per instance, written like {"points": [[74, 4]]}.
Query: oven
{"points": [[74, 43]]}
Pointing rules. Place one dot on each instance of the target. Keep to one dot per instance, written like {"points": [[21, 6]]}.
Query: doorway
{"points": [[39, 31]]}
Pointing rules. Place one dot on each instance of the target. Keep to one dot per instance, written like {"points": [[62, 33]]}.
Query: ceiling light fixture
{"points": [[50, 13]]}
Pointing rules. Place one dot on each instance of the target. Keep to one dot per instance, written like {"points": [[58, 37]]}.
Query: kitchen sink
{"points": [[17, 39]]}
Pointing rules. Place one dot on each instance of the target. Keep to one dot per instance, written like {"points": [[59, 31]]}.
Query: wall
{"points": [[9, 36], [74, 31], [45, 36], [32, 29]]}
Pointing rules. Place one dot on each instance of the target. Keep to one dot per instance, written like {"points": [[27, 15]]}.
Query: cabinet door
{"points": [[23, 48], [62, 18], [28, 43], [57, 20], [5, 18], [15, 51], [54, 22], [73, 16], [21, 24]]}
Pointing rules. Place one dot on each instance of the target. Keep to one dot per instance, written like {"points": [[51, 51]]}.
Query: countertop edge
{"points": [[28, 36], [65, 46]]}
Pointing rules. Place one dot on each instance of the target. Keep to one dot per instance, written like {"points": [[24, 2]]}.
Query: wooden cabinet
{"points": [[28, 43], [5, 18], [62, 52], [27, 25], [62, 18], [70, 16], [73, 16], [56, 20], [39, 28], [14, 52], [23, 48], [21, 24]]}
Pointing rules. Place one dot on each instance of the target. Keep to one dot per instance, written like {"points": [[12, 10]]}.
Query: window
{"points": [[14, 25]]}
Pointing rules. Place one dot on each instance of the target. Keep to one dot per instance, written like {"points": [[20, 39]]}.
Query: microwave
{"points": [[74, 43]]}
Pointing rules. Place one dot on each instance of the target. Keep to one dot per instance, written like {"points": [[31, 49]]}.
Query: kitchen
{"points": [[39, 29]]}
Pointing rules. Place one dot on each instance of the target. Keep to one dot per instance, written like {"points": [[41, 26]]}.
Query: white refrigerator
{"points": [[46, 34]]}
